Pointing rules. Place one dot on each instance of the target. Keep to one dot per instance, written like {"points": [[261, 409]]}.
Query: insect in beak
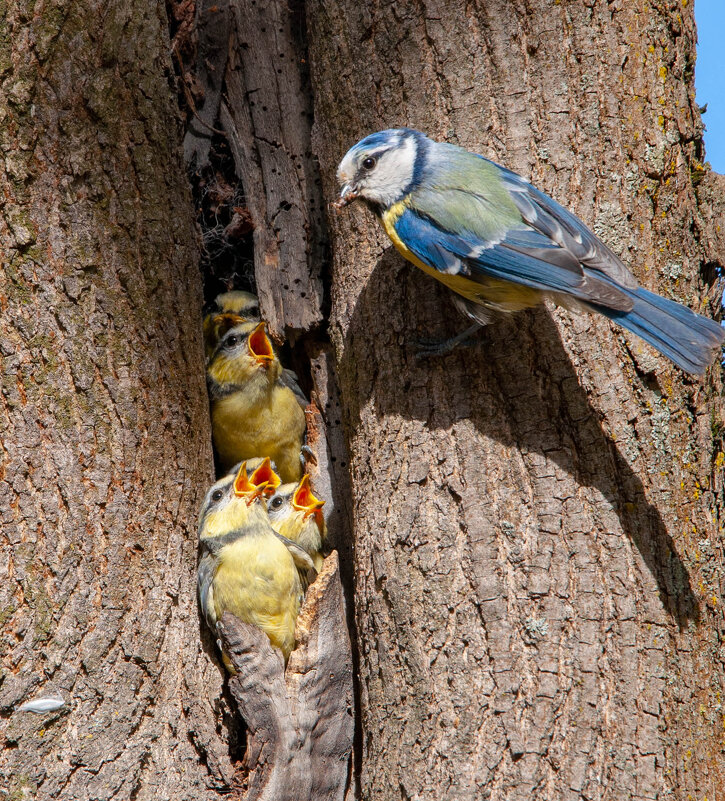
{"points": [[347, 195]]}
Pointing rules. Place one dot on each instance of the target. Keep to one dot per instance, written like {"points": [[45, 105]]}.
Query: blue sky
{"points": [[709, 78]]}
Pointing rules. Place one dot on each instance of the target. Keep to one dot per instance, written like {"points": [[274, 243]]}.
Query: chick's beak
{"points": [[264, 475], [260, 348], [304, 501], [244, 488]]}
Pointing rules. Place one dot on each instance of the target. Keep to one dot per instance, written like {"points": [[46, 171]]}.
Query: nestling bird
{"points": [[245, 567], [501, 245], [253, 413], [296, 513], [233, 308], [231, 502]]}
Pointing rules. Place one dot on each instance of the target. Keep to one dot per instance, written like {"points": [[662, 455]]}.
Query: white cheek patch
{"points": [[392, 175]]}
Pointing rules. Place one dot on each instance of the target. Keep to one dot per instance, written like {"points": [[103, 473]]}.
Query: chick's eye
{"points": [[231, 342], [275, 503], [217, 495], [369, 163]]}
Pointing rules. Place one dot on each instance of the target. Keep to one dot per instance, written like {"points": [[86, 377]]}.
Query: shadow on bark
{"points": [[516, 384]]}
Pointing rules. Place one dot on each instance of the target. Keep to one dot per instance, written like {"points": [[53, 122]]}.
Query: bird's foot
{"points": [[426, 348], [307, 455]]}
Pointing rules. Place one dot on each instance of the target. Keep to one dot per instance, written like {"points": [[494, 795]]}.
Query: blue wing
{"points": [[466, 194], [523, 256], [561, 226]]}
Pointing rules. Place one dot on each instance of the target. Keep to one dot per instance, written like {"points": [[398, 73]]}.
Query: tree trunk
{"points": [[537, 563], [537, 574], [106, 445]]}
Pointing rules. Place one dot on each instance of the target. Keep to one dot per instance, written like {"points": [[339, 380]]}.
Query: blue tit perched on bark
{"points": [[253, 412], [296, 513], [227, 310], [501, 245], [245, 567]]}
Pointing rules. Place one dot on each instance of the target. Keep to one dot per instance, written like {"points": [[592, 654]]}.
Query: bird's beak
{"points": [[347, 195], [260, 348], [304, 501], [264, 475], [244, 488]]}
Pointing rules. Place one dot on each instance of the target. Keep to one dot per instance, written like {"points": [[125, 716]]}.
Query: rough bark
{"points": [[537, 561], [106, 449]]}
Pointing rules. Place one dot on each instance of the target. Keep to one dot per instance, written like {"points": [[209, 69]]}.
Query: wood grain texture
{"points": [[268, 121], [105, 447], [299, 721], [537, 518], [212, 29]]}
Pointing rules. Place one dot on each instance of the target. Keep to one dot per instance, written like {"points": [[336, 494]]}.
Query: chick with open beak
{"points": [[296, 513], [254, 414]]}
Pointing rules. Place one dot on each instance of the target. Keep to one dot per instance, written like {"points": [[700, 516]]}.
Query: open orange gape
{"points": [[260, 348], [304, 501]]}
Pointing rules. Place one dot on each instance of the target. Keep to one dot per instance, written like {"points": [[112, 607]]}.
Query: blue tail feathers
{"points": [[690, 340]]}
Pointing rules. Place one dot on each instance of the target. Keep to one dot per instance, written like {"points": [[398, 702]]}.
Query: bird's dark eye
{"points": [[275, 503], [369, 163], [231, 341], [217, 495]]}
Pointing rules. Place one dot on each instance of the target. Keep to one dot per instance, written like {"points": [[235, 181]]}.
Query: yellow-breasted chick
{"points": [[296, 514], [233, 308], [245, 567], [253, 413], [227, 310]]}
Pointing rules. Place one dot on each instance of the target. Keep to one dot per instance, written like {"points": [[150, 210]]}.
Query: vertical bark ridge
{"points": [[106, 443]]}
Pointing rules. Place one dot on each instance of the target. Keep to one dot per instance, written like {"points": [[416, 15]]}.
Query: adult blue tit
{"points": [[254, 414], [245, 567], [501, 245], [296, 513]]}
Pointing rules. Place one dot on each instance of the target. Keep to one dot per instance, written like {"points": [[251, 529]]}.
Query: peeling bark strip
{"points": [[300, 723], [537, 547], [268, 120]]}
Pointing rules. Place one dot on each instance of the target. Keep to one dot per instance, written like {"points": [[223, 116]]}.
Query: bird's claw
{"points": [[427, 348], [307, 455]]}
